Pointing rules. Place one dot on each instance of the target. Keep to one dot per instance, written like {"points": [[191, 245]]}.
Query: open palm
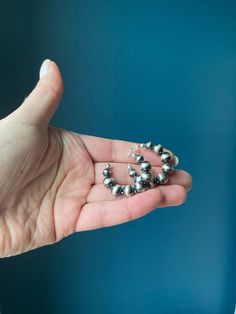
{"points": [[51, 181]]}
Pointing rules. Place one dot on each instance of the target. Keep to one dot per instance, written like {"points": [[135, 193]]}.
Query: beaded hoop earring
{"points": [[142, 181]]}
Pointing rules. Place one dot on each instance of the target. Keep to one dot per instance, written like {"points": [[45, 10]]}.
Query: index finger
{"points": [[113, 150]]}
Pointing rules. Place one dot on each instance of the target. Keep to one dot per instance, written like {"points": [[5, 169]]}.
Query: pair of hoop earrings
{"points": [[145, 180]]}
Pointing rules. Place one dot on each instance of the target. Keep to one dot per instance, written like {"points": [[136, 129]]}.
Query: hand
{"points": [[51, 181]]}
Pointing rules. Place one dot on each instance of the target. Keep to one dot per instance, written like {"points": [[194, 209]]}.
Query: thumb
{"points": [[42, 102]]}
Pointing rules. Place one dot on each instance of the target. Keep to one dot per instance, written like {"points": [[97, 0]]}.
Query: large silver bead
{"points": [[154, 182], [146, 176], [138, 179], [139, 187], [162, 178], [158, 149], [116, 190], [165, 157], [167, 167], [128, 190], [145, 166], [109, 182]]}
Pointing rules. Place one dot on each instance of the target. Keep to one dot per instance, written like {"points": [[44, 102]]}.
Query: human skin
{"points": [[51, 181]]}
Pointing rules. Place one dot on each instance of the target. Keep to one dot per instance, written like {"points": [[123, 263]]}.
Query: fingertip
{"points": [[40, 105], [44, 69], [50, 76], [190, 182], [174, 195], [181, 195]]}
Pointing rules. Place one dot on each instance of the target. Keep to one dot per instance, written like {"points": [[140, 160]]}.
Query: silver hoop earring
{"points": [[145, 180]]}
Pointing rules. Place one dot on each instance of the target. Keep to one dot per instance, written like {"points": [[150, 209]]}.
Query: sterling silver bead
{"points": [[154, 182], [167, 167], [131, 171], [138, 179], [116, 190], [145, 166], [146, 176], [158, 149], [138, 158], [107, 172], [146, 179], [165, 157], [139, 187], [109, 182], [149, 144], [128, 190], [162, 178]]}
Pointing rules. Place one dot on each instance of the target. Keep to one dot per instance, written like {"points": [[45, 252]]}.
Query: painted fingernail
{"points": [[44, 68]]}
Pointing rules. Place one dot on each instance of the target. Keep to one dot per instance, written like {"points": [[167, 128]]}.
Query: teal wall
{"points": [[134, 70]]}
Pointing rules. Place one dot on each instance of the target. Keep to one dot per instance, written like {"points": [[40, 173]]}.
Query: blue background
{"points": [[134, 70]]}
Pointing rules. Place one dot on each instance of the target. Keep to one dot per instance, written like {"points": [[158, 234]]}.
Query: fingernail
{"points": [[44, 68], [176, 160]]}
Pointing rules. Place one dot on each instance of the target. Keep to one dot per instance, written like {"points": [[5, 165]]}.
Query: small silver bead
{"points": [[146, 176], [138, 158], [139, 187], [128, 190], [131, 171], [149, 145], [162, 178], [165, 157], [158, 149], [145, 166], [106, 172], [116, 190], [167, 167], [109, 182]]}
